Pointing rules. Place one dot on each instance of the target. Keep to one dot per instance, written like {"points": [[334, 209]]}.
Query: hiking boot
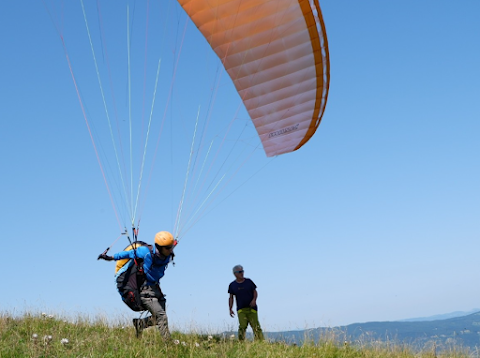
{"points": [[139, 325]]}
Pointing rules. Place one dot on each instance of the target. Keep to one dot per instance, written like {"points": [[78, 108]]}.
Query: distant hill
{"points": [[461, 331], [442, 316]]}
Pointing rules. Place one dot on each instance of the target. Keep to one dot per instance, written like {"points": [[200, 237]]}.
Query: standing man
{"points": [[245, 292]]}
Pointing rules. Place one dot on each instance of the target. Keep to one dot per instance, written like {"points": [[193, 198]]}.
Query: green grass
{"points": [[38, 336]]}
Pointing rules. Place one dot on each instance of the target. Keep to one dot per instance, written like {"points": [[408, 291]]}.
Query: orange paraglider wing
{"points": [[276, 53]]}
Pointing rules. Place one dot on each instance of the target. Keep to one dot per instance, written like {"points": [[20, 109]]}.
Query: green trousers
{"points": [[246, 316]]}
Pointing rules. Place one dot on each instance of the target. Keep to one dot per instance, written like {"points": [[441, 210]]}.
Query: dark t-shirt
{"points": [[243, 293]]}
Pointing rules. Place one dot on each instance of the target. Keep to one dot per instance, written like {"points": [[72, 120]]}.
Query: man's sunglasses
{"points": [[164, 247], [241, 271]]}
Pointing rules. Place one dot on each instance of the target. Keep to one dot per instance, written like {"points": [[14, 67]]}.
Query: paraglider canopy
{"points": [[276, 53]]}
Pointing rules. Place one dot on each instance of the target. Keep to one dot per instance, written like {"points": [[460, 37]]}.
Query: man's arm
{"points": [[230, 305], [254, 301]]}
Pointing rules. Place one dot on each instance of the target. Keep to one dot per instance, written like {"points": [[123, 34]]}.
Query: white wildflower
{"points": [[64, 341], [210, 338], [176, 341], [184, 344], [50, 316], [47, 339], [197, 345], [44, 314], [34, 336], [232, 337]]}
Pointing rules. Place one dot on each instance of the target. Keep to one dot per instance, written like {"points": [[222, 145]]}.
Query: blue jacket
{"points": [[154, 267]]}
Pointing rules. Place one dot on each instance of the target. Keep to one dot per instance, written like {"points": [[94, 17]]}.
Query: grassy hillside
{"points": [[40, 335]]}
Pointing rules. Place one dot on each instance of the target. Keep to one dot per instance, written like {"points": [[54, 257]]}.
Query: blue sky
{"points": [[376, 218]]}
